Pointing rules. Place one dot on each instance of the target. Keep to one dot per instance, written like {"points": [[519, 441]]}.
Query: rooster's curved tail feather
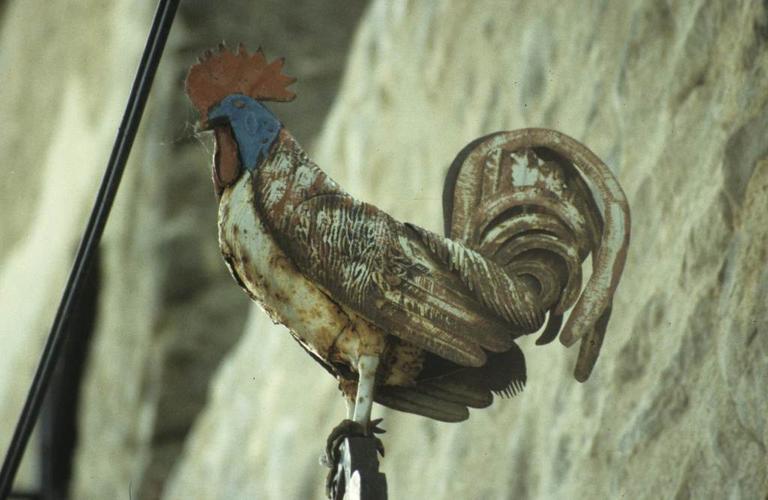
{"points": [[538, 202]]}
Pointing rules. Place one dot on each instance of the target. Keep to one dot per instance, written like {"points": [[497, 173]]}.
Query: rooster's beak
{"points": [[211, 122], [215, 117]]}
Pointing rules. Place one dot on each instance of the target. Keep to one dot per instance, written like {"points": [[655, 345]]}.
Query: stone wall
{"points": [[672, 95]]}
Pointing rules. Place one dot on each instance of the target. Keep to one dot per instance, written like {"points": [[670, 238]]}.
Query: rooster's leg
{"points": [[358, 422], [350, 408], [366, 368]]}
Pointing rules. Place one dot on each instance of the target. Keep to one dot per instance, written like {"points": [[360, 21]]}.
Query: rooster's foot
{"points": [[347, 429]]}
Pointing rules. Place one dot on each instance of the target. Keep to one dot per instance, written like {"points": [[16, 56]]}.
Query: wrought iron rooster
{"points": [[399, 315]]}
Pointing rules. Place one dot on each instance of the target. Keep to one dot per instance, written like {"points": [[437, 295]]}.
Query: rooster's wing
{"points": [[411, 283]]}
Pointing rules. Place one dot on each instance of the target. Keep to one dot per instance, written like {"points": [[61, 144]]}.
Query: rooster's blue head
{"points": [[255, 128]]}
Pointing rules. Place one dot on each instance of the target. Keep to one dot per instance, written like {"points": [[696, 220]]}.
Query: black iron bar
{"points": [[158, 35], [360, 457]]}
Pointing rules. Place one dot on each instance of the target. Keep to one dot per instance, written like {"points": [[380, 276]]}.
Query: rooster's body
{"points": [[400, 315], [348, 280]]}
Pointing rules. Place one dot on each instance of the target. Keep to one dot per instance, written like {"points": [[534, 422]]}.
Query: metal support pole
{"points": [[358, 476]]}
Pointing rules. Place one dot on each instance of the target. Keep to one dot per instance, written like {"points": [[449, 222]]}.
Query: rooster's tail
{"points": [[538, 202]]}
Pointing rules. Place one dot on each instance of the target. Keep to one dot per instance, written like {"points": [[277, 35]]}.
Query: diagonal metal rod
{"points": [[158, 35]]}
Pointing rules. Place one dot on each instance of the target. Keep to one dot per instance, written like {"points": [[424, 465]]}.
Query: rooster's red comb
{"points": [[218, 74]]}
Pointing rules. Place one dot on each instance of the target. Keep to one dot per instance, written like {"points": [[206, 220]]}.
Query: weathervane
{"points": [[399, 315]]}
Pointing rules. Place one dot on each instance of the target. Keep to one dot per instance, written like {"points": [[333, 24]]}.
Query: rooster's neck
{"points": [[287, 179]]}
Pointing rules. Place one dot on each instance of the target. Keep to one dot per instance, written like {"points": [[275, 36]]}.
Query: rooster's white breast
{"points": [[269, 276]]}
